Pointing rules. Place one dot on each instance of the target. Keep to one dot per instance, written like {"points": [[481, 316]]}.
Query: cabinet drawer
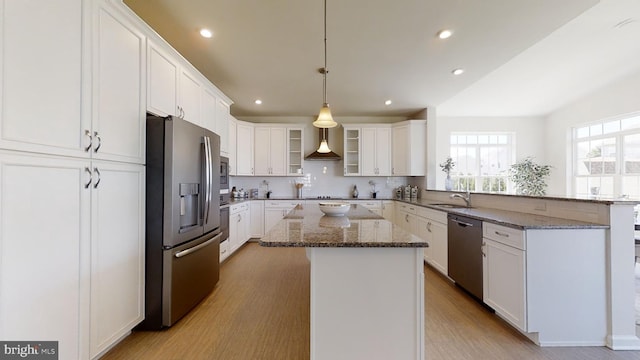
{"points": [[236, 208], [433, 215], [372, 205], [504, 235], [281, 204], [411, 209]]}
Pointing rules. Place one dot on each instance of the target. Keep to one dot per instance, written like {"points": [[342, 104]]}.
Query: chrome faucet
{"points": [[467, 198]]}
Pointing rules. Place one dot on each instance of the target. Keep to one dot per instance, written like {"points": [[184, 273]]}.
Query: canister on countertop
{"points": [[414, 192], [399, 192], [407, 192], [253, 193]]}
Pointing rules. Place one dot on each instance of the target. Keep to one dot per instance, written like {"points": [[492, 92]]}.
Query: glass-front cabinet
{"points": [[295, 149], [351, 151]]}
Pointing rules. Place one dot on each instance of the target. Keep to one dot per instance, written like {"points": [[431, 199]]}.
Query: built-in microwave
{"points": [[224, 180]]}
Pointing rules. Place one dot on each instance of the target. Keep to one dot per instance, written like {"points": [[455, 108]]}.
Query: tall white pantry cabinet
{"points": [[72, 120]]}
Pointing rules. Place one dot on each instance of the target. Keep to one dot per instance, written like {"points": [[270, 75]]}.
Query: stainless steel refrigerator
{"points": [[182, 218]]}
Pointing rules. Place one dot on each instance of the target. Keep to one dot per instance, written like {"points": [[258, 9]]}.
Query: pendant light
{"points": [[325, 120], [324, 146]]}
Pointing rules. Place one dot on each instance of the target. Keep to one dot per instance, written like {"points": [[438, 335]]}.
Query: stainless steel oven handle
{"points": [[197, 247]]}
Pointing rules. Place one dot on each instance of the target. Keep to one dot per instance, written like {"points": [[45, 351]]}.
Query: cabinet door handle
{"points": [[88, 147], [95, 169], [86, 186], [484, 254], [95, 133], [406, 218], [429, 226], [501, 234], [239, 217]]}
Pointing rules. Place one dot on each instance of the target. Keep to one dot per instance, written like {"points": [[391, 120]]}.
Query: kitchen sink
{"points": [[451, 206]]}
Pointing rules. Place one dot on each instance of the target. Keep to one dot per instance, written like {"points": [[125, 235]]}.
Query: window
{"points": [[607, 158], [482, 161]]}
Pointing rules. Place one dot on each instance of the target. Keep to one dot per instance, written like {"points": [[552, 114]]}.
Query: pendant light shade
{"points": [[325, 120], [324, 147]]}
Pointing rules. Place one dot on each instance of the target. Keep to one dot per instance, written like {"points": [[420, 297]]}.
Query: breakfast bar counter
{"points": [[367, 283]]}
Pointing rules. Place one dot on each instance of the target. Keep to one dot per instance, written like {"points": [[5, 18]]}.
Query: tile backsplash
{"points": [[321, 178]]}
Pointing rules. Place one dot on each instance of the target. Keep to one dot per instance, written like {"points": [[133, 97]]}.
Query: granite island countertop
{"points": [[307, 226]]}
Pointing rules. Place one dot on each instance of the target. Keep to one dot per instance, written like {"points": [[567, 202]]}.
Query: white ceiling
{"points": [[522, 57]]}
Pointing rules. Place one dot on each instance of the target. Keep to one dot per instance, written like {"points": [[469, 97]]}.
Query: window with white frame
{"points": [[606, 158], [482, 161]]}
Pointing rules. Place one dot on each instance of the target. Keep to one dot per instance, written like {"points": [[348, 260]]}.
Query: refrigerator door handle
{"points": [[197, 247], [208, 175]]}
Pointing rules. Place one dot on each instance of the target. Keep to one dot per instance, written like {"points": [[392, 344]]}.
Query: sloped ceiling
{"points": [[378, 50]]}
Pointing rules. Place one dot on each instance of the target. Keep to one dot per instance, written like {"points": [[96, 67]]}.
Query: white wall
{"points": [[617, 98], [529, 132]]}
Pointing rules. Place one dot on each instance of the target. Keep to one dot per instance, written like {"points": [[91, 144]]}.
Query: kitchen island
{"points": [[367, 283]]}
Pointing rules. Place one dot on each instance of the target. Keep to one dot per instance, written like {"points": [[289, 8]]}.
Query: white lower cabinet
{"points": [[72, 235], [276, 210], [117, 252], [257, 218], [388, 210], [432, 227], [405, 217], [373, 205], [503, 269], [239, 225], [44, 262], [224, 250]]}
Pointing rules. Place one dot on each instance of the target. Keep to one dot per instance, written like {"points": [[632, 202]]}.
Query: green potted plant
{"points": [[529, 178], [447, 166]]}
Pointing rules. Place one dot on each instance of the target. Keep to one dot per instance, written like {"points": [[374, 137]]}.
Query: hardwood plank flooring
{"points": [[260, 310]]}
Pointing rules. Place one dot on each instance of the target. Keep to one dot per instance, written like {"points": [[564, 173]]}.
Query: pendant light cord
{"points": [[324, 73]]}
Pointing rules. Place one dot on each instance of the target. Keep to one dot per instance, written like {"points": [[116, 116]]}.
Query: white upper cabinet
{"points": [[351, 151], [189, 96], [223, 128], [43, 89], [162, 81], [119, 89], [367, 150], [270, 150], [208, 115], [375, 153], [244, 148], [409, 148], [295, 148]]}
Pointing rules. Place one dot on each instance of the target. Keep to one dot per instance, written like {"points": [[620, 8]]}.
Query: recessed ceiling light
{"points": [[388, 102], [258, 102], [457, 71], [445, 34], [206, 33]]}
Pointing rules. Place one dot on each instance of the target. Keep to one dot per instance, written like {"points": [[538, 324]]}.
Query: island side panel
{"points": [[566, 286], [367, 303]]}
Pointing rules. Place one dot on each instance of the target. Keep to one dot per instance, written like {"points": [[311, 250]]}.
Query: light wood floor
{"points": [[260, 310]]}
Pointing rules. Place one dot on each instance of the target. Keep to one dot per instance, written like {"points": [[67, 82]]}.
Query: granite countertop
{"points": [[307, 226], [512, 219]]}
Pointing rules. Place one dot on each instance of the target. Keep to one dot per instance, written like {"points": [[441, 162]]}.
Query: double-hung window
{"points": [[482, 161], [606, 158]]}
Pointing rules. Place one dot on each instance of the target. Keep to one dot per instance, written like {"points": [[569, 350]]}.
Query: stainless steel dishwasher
{"points": [[465, 253]]}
